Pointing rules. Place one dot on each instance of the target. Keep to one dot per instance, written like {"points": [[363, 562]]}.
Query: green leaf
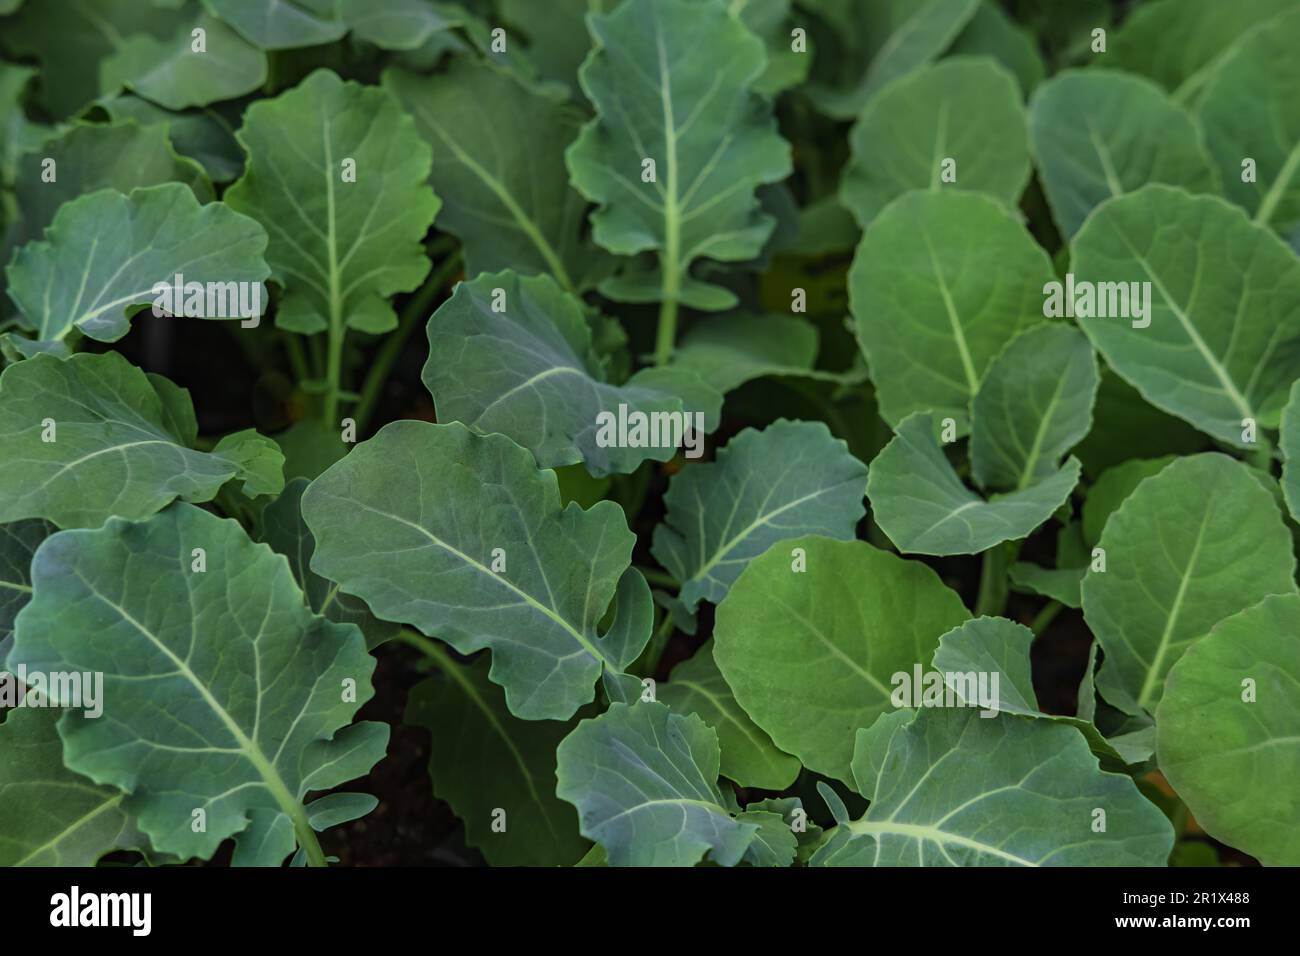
{"points": [[770, 21], [483, 760], [1220, 346], [1033, 406], [88, 158], [941, 282], [1248, 110], [1226, 730], [71, 39], [248, 675], [396, 24], [903, 35], [1182, 43], [1290, 447], [340, 248], [712, 139], [1112, 488], [50, 816], [112, 452], [409, 521], [992, 33], [521, 362], [749, 757], [1100, 133], [286, 532], [282, 24], [558, 40], [924, 508], [787, 480], [1125, 426], [730, 350], [171, 73], [949, 788], [768, 849], [810, 654], [1059, 584], [774, 842], [507, 188], [645, 782], [104, 254], [204, 135], [988, 646], [1192, 545], [18, 542], [966, 110]]}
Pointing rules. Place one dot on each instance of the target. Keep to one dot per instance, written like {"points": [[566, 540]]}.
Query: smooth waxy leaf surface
{"points": [[993, 645], [205, 135], [1100, 133], [810, 654], [88, 158], [116, 449], [950, 788], [1227, 730], [645, 782], [506, 186], [902, 35], [104, 253], [482, 759], [924, 508], [941, 282], [286, 532], [409, 521], [222, 691], [282, 24], [1181, 44], [1192, 545], [1110, 490], [713, 141], [18, 542], [1248, 110], [337, 175], [514, 354], [965, 110], [1034, 405], [1290, 446], [1220, 346], [171, 73], [788, 480], [50, 816], [749, 757]]}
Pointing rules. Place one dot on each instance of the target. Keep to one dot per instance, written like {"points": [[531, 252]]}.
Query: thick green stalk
{"points": [[992, 598]]}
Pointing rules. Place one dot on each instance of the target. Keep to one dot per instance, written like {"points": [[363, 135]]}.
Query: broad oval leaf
{"points": [[788, 480], [1034, 405], [506, 185], [104, 253], [482, 759], [1226, 730], [513, 354], [902, 35], [966, 110], [924, 508], [413, 521], [711, 139], [810, 654], [950, 788], [645, 782], [749, 757], [1220, 343], [1098, 134], [1249, 111], [90, 436], [50, 816], [221, 690], [1192, 545], [337, 174], [940, 283]]}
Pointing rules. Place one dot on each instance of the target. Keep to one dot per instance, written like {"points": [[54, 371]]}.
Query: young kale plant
{"points": [[747, 432]]}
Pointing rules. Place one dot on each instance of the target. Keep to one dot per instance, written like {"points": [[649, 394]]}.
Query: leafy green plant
{"points": [[729, 432]]}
